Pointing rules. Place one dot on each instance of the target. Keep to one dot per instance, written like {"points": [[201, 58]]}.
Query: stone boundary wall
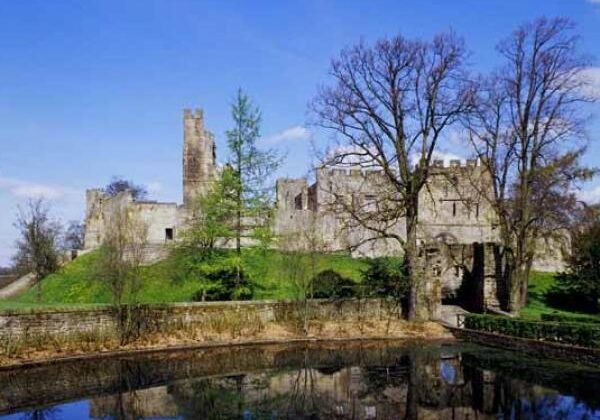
{"points": [[563, 352], [162, 317]]}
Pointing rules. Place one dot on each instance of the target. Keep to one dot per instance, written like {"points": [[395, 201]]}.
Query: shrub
{"points": [[566, 294], [566, 333], [329, 284], [579, 287], [224, 284], [569, 318], [385, 277]]}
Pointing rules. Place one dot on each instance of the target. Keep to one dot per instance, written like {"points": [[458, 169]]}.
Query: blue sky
{"points": [[91, 89]]}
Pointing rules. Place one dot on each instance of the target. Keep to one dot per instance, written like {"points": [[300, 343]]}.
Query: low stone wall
{"points": [[157, 318], [584, 355]]}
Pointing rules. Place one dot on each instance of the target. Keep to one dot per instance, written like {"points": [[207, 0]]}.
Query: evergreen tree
{"points": [[579, 287], [251, 166]]}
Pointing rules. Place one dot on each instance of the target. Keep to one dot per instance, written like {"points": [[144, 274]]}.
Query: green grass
{"points": [[165, 281], [539, 284]]}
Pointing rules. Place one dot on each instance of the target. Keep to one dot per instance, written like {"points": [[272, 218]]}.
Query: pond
{"points": [[354, 380]]}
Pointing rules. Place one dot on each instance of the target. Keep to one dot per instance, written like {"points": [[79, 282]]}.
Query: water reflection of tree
{"points": [[210, 398], [328, 382], [51, 413]]}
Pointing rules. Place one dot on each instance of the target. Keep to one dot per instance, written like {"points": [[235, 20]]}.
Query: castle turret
{"points": [[199, 156]]}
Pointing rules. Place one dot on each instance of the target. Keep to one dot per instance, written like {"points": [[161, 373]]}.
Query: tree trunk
{"points": [[238, 227], [519, 280], [412, 392], [411, 260]]}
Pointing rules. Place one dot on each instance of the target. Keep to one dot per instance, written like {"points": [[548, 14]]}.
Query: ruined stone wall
{"points": [[99, 209], [159, 217], [199, 157], [451, 208], [161, 317]]}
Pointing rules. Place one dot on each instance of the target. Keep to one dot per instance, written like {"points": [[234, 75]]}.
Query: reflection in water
{"points": [[345, 381]]}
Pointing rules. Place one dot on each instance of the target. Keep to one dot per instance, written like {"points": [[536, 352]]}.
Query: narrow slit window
{"points": [[454, 209], [477, 210], [298, 202]]}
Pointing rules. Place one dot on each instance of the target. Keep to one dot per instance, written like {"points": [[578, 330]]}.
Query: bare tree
{"points": [[38, 246], [300, 252], [390, 105], [118, 184], [528, 129], [122, 255], [74, 235]]}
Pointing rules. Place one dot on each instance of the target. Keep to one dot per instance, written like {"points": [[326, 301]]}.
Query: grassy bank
{"points": [[168, 281], [539, 285]]}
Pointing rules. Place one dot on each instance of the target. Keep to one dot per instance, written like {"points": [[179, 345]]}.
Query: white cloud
{"points": [[446, 156], [439, 155], [27, 189], [66, 204], [349, 155], [591, 196], [295, 133], [154, 187], [594, 1], [591, 76]]}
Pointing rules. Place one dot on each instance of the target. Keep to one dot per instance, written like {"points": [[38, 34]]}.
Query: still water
{"points": [[352, 380]]}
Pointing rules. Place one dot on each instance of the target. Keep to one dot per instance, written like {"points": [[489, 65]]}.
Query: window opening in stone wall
{"points": [[298, 202], [454, 209], [476, 209], [169, 234]]}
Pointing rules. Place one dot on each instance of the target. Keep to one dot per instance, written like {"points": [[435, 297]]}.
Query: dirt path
{"points": [[18, 286]]}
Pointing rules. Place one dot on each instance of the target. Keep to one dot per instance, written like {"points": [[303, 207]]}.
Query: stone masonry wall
{"points": [[17, 324]]}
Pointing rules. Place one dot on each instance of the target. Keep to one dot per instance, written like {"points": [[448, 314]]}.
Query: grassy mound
{"points": [[539, 285], [166, 281]]}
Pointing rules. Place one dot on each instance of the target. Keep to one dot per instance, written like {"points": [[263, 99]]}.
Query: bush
{"points": [[225, 285], [385, 277], [566, 294], [566, 333], [579, 287], [571, 319], [329, 284]]}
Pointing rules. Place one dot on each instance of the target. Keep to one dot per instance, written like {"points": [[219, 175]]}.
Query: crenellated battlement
{"points": [[197, 114], [438, 164], [456, 163]]}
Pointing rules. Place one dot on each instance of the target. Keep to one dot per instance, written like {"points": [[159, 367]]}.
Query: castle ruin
{"points": [[164, 220], [457, 228]]}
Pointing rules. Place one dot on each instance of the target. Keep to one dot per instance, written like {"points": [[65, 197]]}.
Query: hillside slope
{"points": [[167, 280]]}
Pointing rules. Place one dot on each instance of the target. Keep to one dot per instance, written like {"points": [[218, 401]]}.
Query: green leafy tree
{"points": [[385, 277], [579, 287], [209, 226], [251, 166], [211, 219], [329, 284]]}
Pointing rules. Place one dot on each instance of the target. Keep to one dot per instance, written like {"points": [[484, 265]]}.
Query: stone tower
{"points": [[199, 156]]}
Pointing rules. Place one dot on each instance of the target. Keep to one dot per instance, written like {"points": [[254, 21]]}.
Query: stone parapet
{"points": [[162, 317]]}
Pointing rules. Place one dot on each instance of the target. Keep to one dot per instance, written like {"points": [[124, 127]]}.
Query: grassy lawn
{"points": [[165, 281], [539, 285]]}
